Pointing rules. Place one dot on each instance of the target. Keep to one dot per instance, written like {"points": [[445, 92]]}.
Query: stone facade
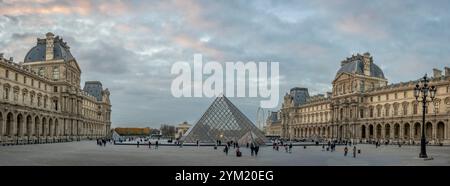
{"points": [[363, 107], [273, 127], [41, 99]]}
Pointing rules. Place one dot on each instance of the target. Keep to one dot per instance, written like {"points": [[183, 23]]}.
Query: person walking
{"points": [[137, 144], [149, 144], [256, 150], [156, 144], [251, 148], [345, 151], [354, 151]]}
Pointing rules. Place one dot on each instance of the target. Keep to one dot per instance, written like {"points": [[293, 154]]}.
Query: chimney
{"points": [[367, 60], [49, 45], [437, 73], [447, 71]]}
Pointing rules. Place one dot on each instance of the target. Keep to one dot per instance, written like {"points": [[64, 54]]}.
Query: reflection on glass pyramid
{"points": [[223, 121]]}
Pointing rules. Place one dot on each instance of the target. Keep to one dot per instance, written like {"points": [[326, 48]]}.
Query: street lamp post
{"points": [[422, 91]]}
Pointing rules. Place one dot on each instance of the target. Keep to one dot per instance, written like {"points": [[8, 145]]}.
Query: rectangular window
{"points": [[405, 94], [16, 77], [24, 79], [415, 109], [55, 73], [55, 89], [39, 84], [32, 82], [7, 73], [396, 97], [387, 96], [405, 109]]}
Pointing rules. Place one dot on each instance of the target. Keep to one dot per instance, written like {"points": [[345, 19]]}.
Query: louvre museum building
{"points": [[41, 99], [364, 107]]}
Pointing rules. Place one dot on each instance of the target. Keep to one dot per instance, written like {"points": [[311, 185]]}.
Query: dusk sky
{"points": [[130, 45]]}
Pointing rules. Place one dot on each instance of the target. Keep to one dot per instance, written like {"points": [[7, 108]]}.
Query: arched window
{"points": [[405, 109], [415, 108], [6, 90]]}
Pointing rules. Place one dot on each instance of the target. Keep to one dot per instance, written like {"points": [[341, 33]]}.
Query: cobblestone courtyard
{"points": [[88, 153]]}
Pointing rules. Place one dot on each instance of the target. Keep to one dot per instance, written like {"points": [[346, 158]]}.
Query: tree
{"points": [[168, 131]]}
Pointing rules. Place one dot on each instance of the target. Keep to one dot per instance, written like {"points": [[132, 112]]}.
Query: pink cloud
{"points": [[198, 46], [367, 25]]}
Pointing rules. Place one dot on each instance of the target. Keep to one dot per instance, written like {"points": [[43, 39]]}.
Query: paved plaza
{"points": [[87, 153]]}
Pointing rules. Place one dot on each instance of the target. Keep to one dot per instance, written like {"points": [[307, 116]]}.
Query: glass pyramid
{"points": [[223, 121]]}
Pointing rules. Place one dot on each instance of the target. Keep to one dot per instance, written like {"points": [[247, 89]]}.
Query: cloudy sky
{"points": [[131, 45]]}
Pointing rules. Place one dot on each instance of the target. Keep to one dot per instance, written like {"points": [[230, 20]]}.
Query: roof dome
{"points": [[60, 51], [356, 66]]}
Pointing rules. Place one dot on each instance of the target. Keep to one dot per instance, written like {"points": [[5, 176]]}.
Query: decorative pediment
{"points": [[342, 77], [75, 65]]}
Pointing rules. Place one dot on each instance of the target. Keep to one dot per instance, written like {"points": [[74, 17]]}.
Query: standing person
{"points": [[256, 150], [156, 144], [290, 147], [226, 150], [149, 144], [354, 151], [345, 151], [251, 148], [197, 144], [137, 144]]}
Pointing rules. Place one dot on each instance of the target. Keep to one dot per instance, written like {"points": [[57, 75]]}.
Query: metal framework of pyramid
{"points": [[223, 121]]}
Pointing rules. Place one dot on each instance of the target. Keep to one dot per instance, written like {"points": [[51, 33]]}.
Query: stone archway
{"points": [[43, 127], [50, 127], [9, 124], [29, 131], [371, 131], [417, 132], [363, 132], [19, 125], [1, 125], [396, 131], [387, 131], [429, 131], [440, 130], [378, 136], [56, 129], [36, 126], [407, 131]]}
